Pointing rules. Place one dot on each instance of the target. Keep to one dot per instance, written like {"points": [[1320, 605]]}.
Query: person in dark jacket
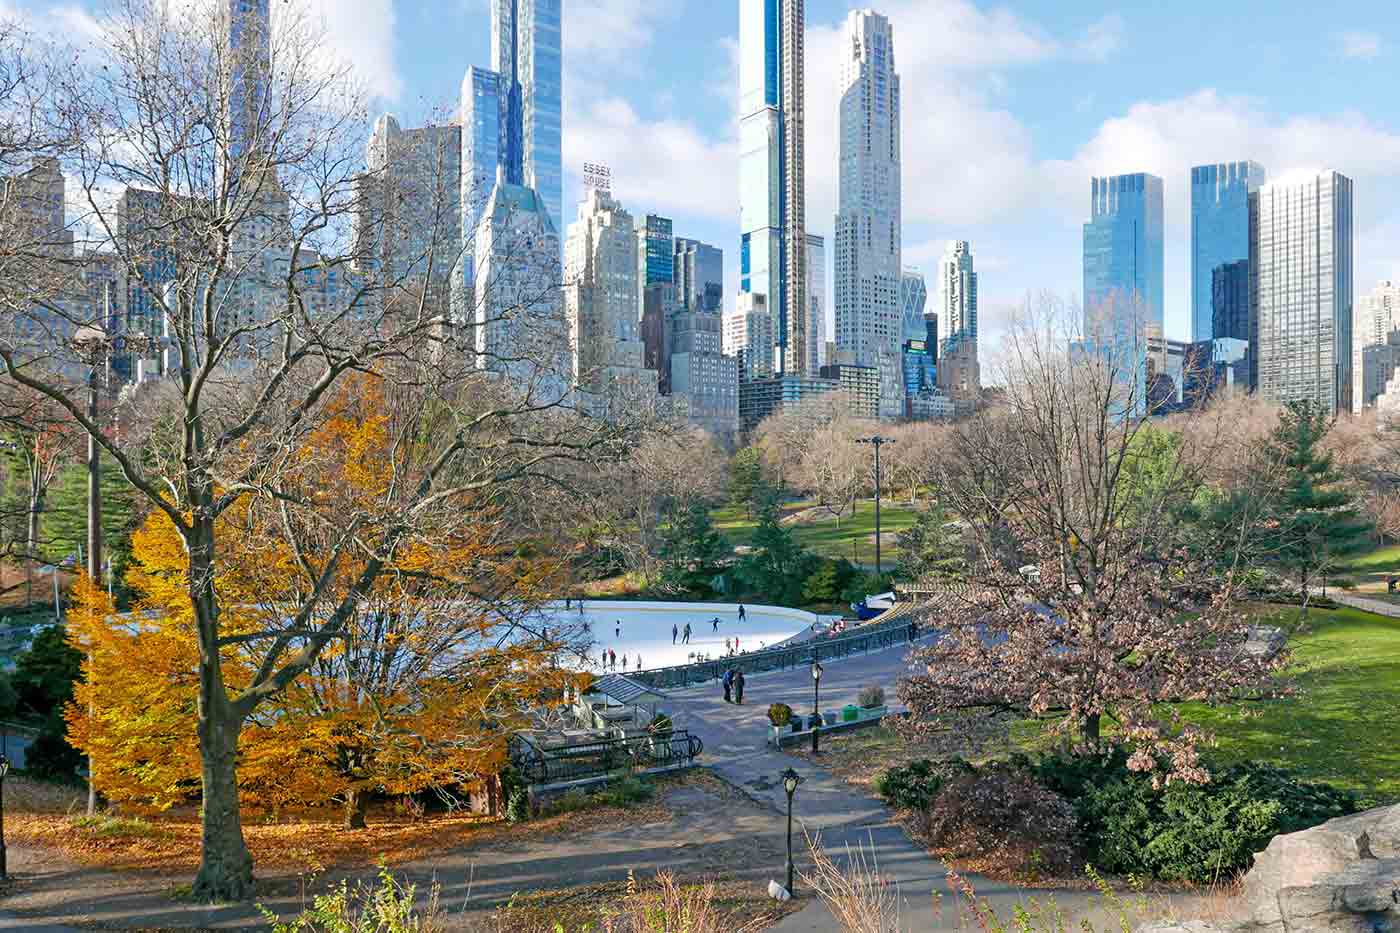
{"points": [[685, 634], [738, 686], [728, 681], [674, 632], [741, 612]]}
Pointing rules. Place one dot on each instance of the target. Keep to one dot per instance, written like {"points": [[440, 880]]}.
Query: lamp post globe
{"points": [[790, 781]]}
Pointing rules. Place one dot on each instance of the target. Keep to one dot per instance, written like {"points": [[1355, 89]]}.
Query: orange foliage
{"points": [[437, 664]]}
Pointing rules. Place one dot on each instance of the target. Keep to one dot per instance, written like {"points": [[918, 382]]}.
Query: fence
{"points": [[866, 638], [594, 758]]}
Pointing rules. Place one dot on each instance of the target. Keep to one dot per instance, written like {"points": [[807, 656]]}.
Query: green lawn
{"points": [[853, 540], [1379, 560], [1344, 726]]}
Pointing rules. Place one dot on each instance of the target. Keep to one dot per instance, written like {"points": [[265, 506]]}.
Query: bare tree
{"points": [[835, 470], [238, 187], [1088, 598]]}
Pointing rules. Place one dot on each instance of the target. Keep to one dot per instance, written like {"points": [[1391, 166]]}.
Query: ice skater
{"points": [[685, 638], [618, 629], [674, 632], [741, 612], [715, 624]]}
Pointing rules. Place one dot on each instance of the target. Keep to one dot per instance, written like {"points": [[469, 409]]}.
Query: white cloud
{"points": [[1359, 44], [361, 33], [603, 28], [1101, 39], [662, 165]]}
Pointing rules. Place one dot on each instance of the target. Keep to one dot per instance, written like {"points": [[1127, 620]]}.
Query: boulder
{"points": [[1341, 876], [1264, 641]]}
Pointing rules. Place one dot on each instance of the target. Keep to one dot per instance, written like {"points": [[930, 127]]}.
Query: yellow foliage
{"points": [[421, 690]]}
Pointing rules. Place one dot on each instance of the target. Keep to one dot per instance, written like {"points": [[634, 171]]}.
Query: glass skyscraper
{"points": [[1123, 257], [699, 276], [250, 94], [1301, 253], [772, 182], [1219, 232]]}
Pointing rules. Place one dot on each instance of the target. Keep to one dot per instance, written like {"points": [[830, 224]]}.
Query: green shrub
{"points": [[661, 725], [780, 714], [627, 792], [50, 757], [384, 906], [518, 806], [915, 785], [1199, 833], [872, 695]]}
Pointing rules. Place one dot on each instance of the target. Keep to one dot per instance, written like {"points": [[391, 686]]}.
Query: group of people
{"points": [[733, 681], [685, 635], [609, 657]]}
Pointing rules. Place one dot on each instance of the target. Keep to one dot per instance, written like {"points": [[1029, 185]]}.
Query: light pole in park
{"points": [[790, 781], [877, 441], [816, 699]]}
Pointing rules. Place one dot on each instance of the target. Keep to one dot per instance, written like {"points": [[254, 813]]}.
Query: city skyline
{"points": [[1052, 97]]}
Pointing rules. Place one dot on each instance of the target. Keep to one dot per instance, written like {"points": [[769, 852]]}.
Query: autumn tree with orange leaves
{"points": [[439, 660]]}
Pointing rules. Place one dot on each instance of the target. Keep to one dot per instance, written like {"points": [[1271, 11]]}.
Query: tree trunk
{"points": [[225, 866], [36, 504], [356, 808]]}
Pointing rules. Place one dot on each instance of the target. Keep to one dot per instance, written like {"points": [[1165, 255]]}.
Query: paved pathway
{"points": [[1378, 606], [843, 818]]}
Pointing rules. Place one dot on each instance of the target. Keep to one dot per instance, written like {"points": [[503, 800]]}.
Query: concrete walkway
{"points": [[828, 808]]}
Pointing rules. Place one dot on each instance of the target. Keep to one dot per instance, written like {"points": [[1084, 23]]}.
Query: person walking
{"points": [[736, 644], [739, 687], [728, 681], [613, 655], [674, 632], [741, 612], [566, 604], [624, 660], [686, 639]]}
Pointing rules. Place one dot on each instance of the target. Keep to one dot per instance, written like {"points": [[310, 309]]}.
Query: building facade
{"points": [[656, 260], [1378, 365], [1301, 254], [526, 52], [1123, 259], [868, 261], [1376, 318], [600, 304], [759, 398], [772, 179], [816, 302], [1219, 232], [704, 380], [699, 275], [749, 336]]}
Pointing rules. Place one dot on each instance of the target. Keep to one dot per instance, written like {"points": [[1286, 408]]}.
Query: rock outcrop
{"points": [[1340, 877]]}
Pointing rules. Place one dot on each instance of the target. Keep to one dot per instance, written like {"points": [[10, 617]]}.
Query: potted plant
{"points": [[780, 715], [872, 701]]}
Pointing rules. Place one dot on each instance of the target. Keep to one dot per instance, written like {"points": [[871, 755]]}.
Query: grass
{"points": [[854, 539], [1340, 728]]}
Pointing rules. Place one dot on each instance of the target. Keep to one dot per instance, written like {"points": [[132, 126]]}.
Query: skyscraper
{"points": [[249, 73], [656, 258], [1301, 256], [1219, 231], [772, 182], [526, 51], [1123, 257], [959, 371], [600, 304], [913, 301], [816, 302], [699, 275], [868, 244], [482, 135]]}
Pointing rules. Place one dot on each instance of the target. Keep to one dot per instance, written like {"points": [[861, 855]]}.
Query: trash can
{"points": [[850, 713]]}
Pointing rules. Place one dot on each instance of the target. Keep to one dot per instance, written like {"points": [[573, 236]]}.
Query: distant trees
{"points": [[932, 549]]}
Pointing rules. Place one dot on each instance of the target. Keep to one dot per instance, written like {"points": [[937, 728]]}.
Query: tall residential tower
{"points": [[1301, 254], [772, 184], [868, 245]]}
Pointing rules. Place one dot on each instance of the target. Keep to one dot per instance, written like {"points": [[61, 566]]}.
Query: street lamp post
{"points": [[877, 441], [790, 781], [816, 699], [4, 770]]}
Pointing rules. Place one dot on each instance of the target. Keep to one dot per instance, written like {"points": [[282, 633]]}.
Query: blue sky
{"points": [[1009, 108]]}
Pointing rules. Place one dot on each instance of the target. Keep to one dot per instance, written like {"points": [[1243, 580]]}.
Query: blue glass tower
{"points": [[1123, 255], [1219, 234], [526, 52], [250, 93]]}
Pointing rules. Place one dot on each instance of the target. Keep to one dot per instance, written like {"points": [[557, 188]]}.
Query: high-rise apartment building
{"points": [[482, 135], [704, 381], [749, 336], [1219, 232], [1377, 315], [600, 304], [959, 371], [527, 53], [772, 179], [868, 266], [1123, 259], [699, 275], [1301, 255], [816, 302], [913, 303], [249, 73], [656, 257]]}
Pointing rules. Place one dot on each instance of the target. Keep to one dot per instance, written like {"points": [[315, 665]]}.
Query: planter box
{"points": [[850, 713], [873, 712]]}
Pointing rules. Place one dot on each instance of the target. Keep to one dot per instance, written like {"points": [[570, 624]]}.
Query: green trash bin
{"points": [[850, 713]]}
